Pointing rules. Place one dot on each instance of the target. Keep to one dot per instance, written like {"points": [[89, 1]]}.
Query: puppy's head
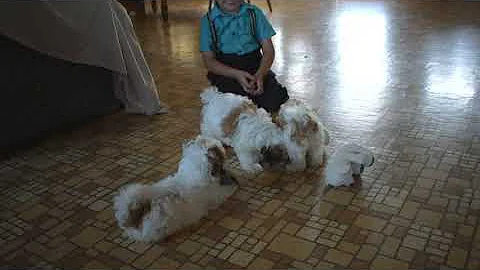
{"points": [[296, 119], [274, 157], [216, 156]]}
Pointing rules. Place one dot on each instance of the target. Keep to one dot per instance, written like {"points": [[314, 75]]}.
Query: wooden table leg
{"points": [[269, 5]]}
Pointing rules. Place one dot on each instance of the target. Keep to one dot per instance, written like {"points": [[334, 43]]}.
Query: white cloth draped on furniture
{"points": [[98, 33]]}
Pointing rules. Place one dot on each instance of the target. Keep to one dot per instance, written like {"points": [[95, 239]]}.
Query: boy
{"points": [[236, 46]]}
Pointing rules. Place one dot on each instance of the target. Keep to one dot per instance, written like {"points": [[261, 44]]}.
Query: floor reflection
{"points": [[363, 68]]}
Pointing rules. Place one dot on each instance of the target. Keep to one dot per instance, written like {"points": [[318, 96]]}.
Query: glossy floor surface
{"points": [[401, 77]]}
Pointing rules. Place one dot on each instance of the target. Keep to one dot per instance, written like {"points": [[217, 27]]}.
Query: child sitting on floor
{"points": [[236, 46]]}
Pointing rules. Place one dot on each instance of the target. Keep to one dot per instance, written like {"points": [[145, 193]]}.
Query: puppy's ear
{"points": [[310, 125], [298, 132], [279, 121], [216, 158]]}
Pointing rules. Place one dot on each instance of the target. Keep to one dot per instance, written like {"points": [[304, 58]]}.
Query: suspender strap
{"points": [[253, 23], [213, 31]]}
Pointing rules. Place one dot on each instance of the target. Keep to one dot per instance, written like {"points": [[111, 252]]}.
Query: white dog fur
{"points": [[153, 212], [348, 160], [237, 122], [304, 134]]}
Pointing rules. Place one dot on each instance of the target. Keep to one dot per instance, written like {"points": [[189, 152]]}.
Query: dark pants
{"points": [[274, 94]]}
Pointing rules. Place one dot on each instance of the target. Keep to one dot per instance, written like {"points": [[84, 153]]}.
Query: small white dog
{"points": [[237, 122], [346, 165], [304, 133], [153, 212]]}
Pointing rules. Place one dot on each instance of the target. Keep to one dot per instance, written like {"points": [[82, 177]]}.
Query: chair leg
{"points": [[165, 10], [269, 5]]}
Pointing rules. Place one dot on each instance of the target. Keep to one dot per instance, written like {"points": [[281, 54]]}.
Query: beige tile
{"points": [[325, 265], [94, 264], [189, 247], [406, 254], [390, 246], [414, 242], [99, 205], [188, 265], [337, 196], [241, 258], [123, 254], [428, 218], [139, 247], [348, 247], [261, 263], [231, 223], [308, 233], [34, 212], [291, 228], [465, 230], [226, 252], [291, 246], [270, 207], [164, 263], [253, 223], [322, 209], [104, 246], [438, 201], [375, 238], [338, 257], [370, 223], [409, 209], [457, 258], [367, 252], [88, 236], [148, 257], [301, 265], [381, 262]]}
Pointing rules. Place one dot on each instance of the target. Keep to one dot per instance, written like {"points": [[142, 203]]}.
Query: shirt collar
{"points": [[216, 11]]}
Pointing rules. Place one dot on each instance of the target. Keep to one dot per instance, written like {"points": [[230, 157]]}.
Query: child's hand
{"points": [[258, 90], [246, 80]]}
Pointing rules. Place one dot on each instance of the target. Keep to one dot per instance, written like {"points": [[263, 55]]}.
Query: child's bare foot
{"points": [[357, 181]]}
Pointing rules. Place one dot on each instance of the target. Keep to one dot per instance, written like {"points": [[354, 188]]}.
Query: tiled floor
{"points": [[402, 77]]}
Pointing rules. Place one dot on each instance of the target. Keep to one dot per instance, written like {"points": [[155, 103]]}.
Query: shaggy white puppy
{"points": [[347, 163], [304, 134], [237, 122], [152, 212]]}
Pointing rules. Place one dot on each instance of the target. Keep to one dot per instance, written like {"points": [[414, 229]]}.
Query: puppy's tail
{"points": [[131, 205], [208, 94]]}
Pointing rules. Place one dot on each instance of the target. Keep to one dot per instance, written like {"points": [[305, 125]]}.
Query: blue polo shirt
{"points": [[233, 30]]}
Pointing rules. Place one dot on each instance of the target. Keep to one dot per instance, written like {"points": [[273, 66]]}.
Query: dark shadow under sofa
{"points": [[41, 94]]}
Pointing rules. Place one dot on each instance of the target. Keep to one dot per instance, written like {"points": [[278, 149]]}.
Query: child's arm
{"points": [[265, 65], [244, 78]]}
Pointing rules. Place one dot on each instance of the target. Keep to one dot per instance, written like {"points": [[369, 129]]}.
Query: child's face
{"points": [[230, 6]]}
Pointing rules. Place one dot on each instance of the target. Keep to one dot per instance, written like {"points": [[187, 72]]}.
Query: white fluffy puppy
{"points": [[237, 122], [152, 212], [304, 133], [347, 163]]}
